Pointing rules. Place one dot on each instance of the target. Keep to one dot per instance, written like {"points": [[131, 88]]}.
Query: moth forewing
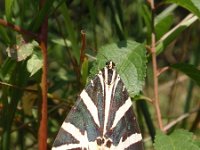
{"points": [[102, 117]]}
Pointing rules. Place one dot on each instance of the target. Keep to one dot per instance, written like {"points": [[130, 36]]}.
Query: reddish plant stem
{"points": [[18, 29], [154, 63], [42, 132], [160, 71], [155, 78], [83, 44]]}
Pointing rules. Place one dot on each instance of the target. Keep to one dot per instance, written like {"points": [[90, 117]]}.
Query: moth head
{"points": [[110, 64]]}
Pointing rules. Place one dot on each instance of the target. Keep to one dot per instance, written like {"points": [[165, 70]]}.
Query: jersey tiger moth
{"points": [[102, 118]]}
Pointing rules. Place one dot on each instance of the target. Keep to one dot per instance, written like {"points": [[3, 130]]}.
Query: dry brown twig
{"points": [[179, 119]]}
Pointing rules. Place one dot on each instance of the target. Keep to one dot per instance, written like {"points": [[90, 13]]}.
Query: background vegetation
{"points": [[50, 48]]}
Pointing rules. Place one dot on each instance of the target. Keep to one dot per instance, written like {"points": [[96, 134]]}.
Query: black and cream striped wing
{"points": [[102, 118]]}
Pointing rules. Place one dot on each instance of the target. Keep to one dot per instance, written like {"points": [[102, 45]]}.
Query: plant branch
{"points": [[188, 19], [83, 45], [18, 29], [42, 132], [154, 63], [179, 119], [160, 71], [18, 87]]}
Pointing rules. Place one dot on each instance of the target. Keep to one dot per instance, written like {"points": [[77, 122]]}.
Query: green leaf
{"points": [[116, 19], [7, 69], [146, 14], [197, 142], [164, 21], [4, 36], [84, 71], [163, 26], [130, 59], [28, 100], [8, 9], [34, 64], [178, 140], [11, 97], [70, 30], [168, 37], [39, 19], [62, 42], [192, 5], [196, 4], [189, 70], [21, 50]]}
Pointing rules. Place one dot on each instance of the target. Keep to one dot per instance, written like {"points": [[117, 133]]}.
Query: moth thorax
{"points": [[110, 64]]}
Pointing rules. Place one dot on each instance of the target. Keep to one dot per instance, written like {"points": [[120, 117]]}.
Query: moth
{"points": [[102, 118]]}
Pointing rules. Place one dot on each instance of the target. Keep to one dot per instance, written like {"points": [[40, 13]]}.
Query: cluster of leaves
{"points": [[179, 139], [104, 22]]}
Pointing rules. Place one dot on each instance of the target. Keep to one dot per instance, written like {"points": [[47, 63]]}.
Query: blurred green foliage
{"points": [[104, 22]]}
